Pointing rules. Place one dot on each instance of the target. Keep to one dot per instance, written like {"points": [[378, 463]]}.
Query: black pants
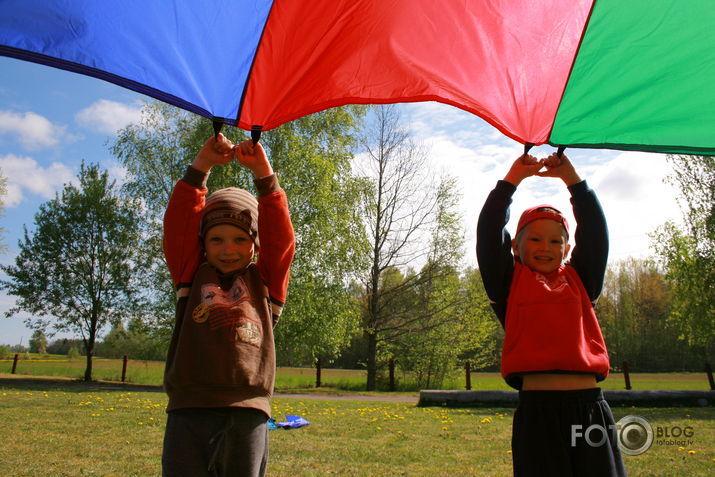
{"points": [[552, 435], [215, 442]]}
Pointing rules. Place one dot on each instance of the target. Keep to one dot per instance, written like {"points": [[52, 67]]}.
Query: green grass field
{"points": [[303, 379], [77, 430]]}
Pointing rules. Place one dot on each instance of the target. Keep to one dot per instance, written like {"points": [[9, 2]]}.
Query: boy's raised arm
{"points": [[275, 230], [590, 253], [183, 213], [494, 255]]}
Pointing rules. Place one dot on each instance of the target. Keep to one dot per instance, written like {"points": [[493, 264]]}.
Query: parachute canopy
{"points": [[617, 74]]}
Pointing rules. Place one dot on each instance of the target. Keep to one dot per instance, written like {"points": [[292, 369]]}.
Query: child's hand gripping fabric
{"points": [[525, 166], [560, 167], [216, 150], [253, 157]]}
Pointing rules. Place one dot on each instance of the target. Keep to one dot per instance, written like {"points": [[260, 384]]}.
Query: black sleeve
{"points": [[590, 253], [494, 256]]}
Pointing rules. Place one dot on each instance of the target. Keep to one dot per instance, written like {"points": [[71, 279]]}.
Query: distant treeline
{"points": [[635, 311]]}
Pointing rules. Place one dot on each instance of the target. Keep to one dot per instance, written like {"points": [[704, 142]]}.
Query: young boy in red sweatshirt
{"points": [[220, 367], [553, 351]]}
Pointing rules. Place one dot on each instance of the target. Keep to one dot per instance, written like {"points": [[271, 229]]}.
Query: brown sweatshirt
{"points": [[222, 352]]}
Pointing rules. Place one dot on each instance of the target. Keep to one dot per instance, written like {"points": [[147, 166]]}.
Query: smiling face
{"points": [[542, 245], [228, 248]]}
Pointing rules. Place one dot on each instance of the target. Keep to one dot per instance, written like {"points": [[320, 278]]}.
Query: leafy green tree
{"points": [[688, 256], [63, 345], [634, 310], [76, 267], [432, 352], [155, 153], [73, 353], [312, 156], [136, 341], [464, 328], [484, 334], [312, 159], [38, 342]]}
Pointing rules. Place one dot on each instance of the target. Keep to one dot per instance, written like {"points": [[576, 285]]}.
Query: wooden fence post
{"points": [[626, 375], [124, 368], [709, 370], [468, 375], [391, 365], [14, 363], [317, 373]]}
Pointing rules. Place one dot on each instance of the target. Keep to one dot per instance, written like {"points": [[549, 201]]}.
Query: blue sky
{"points": [[51, 120]]}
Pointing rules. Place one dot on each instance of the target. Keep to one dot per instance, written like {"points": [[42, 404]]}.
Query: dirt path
{"points": [[349, 397], [81, 386]]}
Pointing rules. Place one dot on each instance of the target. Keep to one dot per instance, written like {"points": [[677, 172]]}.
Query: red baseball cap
{"points": [[543, 211]]}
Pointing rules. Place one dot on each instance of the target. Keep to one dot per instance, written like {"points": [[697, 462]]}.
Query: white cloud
{"points": [[34, 132], [25, 175], [635, 200], [108, 116]]}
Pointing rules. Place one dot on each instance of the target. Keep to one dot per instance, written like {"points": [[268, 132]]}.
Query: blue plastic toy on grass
{"points": [[291, 422]]}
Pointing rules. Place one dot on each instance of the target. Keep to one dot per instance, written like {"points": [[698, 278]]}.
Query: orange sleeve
{"points": [[277, 239], [182, 218]]}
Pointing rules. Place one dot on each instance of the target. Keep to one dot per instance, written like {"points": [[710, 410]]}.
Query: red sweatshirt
{"points": [[551, 326], [222, 352]]}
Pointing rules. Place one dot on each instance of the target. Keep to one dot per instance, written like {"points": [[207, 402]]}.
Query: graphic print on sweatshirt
{"points": [[233, 308]]}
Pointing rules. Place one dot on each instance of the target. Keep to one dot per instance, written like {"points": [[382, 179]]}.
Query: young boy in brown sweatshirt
{"points": [[220, 367]]}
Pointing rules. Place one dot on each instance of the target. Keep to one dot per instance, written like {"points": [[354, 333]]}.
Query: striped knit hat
{"points": [[231, 206]]}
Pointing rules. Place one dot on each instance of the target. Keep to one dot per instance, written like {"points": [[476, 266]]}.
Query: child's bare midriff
{"points": [[557, 382]]}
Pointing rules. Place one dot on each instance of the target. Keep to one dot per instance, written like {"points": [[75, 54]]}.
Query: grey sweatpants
{"points": [[215, 442]]}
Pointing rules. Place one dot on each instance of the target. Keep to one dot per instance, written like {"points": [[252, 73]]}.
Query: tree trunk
{"points": [[89, 346], [88, 368], [371, 361]]}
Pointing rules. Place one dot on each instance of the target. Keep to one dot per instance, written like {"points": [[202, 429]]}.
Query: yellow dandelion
{"points": [[508, 452], [445, 428], [681, 448], [141, 423], [691, 452]]}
